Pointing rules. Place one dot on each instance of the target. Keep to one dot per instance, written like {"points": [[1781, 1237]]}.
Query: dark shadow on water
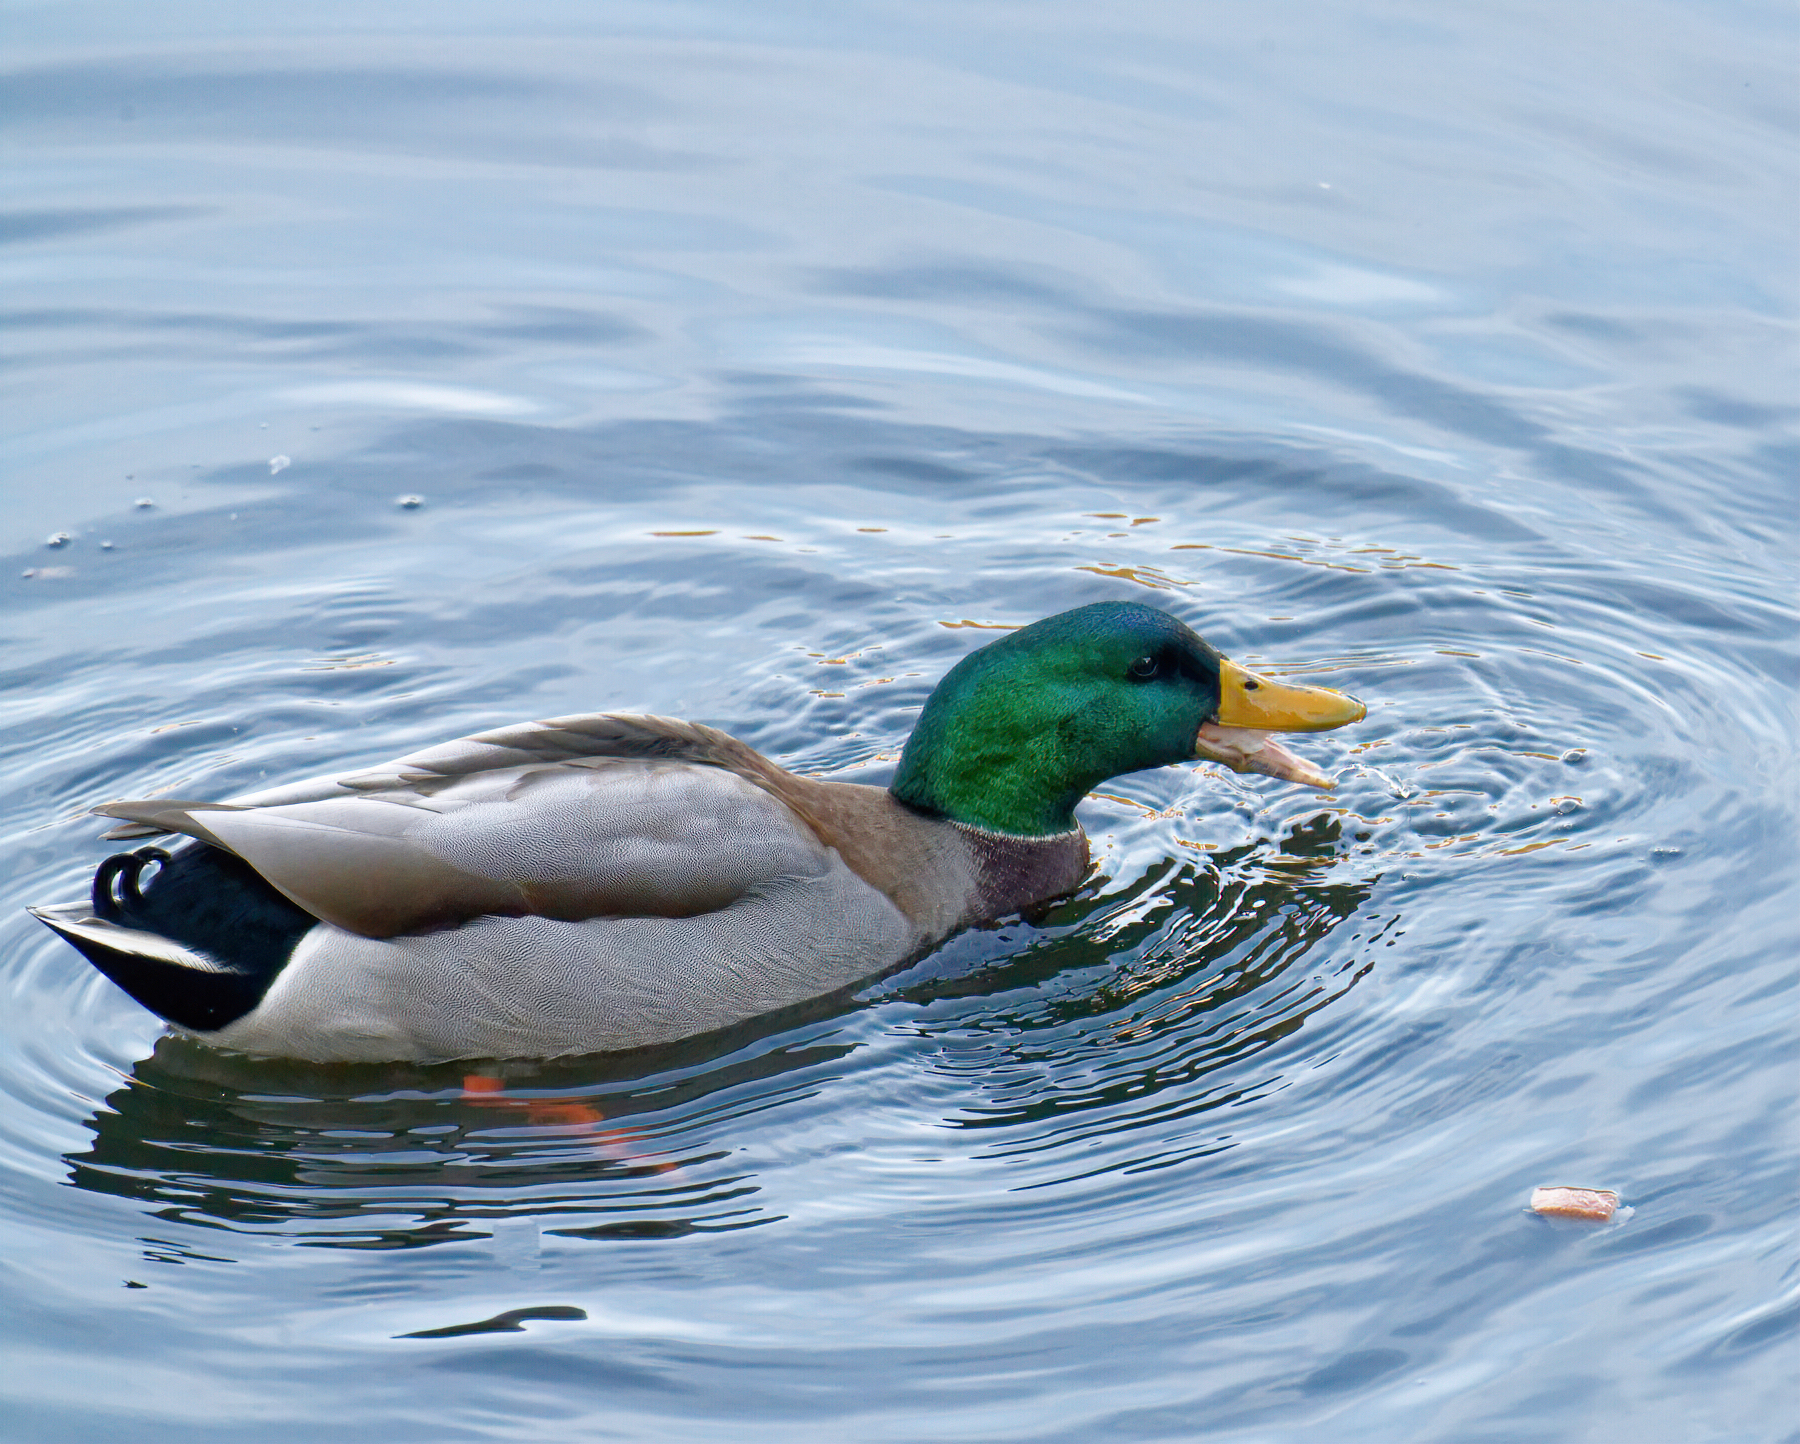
{"points": [[513, 1321]]}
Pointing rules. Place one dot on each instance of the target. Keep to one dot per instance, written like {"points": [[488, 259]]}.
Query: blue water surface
{"points": [[381, 374]]}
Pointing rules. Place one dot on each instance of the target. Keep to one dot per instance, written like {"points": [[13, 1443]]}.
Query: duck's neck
{"points": [[976, 765]]}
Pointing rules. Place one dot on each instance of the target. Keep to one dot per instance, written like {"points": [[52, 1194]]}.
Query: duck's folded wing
{"points": [[576, 839]]}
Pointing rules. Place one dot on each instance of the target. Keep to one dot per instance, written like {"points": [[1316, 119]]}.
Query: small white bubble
{"points": [[58, 539], [278, 464], [409, 501]]}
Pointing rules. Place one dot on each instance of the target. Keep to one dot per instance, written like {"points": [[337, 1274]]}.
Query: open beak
{"points": [[1251, 707]]}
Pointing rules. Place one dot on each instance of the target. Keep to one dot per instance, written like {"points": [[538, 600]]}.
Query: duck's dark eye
{"points": [[1142, 670]]}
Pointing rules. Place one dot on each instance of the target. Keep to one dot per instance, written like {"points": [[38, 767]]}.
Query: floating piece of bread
{"points": [[1590, 1205]]}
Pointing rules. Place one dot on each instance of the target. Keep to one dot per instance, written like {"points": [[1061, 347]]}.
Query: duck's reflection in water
{"points": [[404, 1156]]}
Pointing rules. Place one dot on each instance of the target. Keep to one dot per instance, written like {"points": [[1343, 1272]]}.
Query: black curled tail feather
{"points": [[118, 883], [206, 899], [198, 941]]}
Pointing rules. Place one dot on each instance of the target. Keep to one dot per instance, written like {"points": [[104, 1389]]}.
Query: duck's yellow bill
{"points": [[1251, 707], [1247, 700]]}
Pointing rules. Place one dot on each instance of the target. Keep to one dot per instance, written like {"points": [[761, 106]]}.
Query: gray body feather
{"points": [[537, 986]]}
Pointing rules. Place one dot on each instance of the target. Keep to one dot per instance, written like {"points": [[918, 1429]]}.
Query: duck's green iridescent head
{"points": [[1023, 729]]}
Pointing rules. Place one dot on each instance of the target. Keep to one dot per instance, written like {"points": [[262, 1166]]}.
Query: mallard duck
{"points": [[603, 882]]}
